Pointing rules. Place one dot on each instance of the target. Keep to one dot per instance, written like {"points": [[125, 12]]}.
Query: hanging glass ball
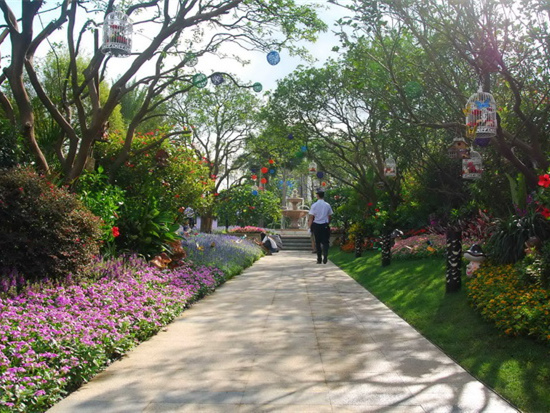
{"points": [[290, 136], [272, 171], [273, 58], [320, 174], [199, 80], [254, 192], [191, 60], [303, 148], [264, 170], [217, 79], [482, 141], [257, 87]]}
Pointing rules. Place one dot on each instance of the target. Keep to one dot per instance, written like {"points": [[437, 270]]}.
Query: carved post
{"points": [[454, 260], [358, 245], [386, 242]]}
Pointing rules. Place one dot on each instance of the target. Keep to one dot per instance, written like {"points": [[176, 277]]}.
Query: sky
{"points": [[259, 70]]}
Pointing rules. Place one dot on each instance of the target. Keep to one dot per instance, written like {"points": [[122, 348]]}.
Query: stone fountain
{"points": [[294, 213]]}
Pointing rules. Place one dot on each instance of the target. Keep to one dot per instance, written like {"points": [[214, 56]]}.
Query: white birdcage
{"points": [[472, 167], [117, 35], [312, 167], [481, 117], [390, 167]]}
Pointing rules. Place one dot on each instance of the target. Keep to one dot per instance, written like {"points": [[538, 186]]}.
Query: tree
{"points": [[256, 25], [459, 45]]}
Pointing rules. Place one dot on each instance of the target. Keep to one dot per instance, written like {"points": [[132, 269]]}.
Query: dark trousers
{"points": [[322, 238]]}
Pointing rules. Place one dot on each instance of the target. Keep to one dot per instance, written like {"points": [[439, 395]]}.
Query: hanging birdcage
{"points": [[312, 167], [459, 149], [481, 117], [390, 167], [472, 167], [117, 35]]}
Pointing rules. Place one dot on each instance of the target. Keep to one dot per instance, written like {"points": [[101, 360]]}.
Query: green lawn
{"points": [[517, 368]]}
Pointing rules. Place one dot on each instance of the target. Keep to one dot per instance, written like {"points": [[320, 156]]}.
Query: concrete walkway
{"points": [[287, 335]]}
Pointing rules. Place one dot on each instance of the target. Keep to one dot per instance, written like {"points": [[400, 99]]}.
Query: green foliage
{"points": [[11, 148], [169, 172], [545, 266], [145, 229], [239, 206], [507, 244], [102, 198], [45, 232]]}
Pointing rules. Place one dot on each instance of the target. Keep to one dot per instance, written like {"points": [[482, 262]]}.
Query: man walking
{"points": [[319, 224]]}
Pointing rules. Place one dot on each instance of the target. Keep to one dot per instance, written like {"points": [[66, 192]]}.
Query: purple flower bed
{"points": [[229, 253], [54, 337]]}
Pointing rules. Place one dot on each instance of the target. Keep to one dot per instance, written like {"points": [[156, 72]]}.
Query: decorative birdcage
{"points": [[217, 79], [117, 35], [312, 167], [257, 87], [273, 58], [390, 167], [459, 149], [472, 167], [481, 117]]}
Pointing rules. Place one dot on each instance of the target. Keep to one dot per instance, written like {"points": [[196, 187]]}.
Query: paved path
{"points": [[287, 335]]}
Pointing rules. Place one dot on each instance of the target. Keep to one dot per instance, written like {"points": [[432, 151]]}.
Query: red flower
{"points": [[271, 161], [264, 170], [263, 181], [544, 180], [115, 232], [545, 212], [254, 177], [369, 204]]}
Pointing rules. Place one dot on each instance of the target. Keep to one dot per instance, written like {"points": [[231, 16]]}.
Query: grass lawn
{"points": [[517, 368]]}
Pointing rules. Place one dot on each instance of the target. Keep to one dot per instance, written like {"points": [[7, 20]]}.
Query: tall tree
{"points": [[201, 26], [497, 44]]}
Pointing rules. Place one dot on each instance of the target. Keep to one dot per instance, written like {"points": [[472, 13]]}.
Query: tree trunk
{"points": [[454, 260], [386, 249], [206, 223]]}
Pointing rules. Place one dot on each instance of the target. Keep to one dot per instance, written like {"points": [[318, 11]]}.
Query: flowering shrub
{"points": [[247, 229], [515, 308], [226, 252], [44, 230], [425, 245], [419, 246], [54, 337]]}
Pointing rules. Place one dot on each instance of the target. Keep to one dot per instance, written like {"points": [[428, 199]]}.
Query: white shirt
{"points": [[321, 210]]}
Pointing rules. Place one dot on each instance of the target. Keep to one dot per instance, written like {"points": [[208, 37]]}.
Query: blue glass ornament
{"points": [[290, 136], [273, 58], [254, 192], [303, 148], [320, 174], [217, 79], [272, 171]]}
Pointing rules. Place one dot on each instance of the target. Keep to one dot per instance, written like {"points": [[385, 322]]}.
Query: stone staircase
{"points": [[296, 240]]}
